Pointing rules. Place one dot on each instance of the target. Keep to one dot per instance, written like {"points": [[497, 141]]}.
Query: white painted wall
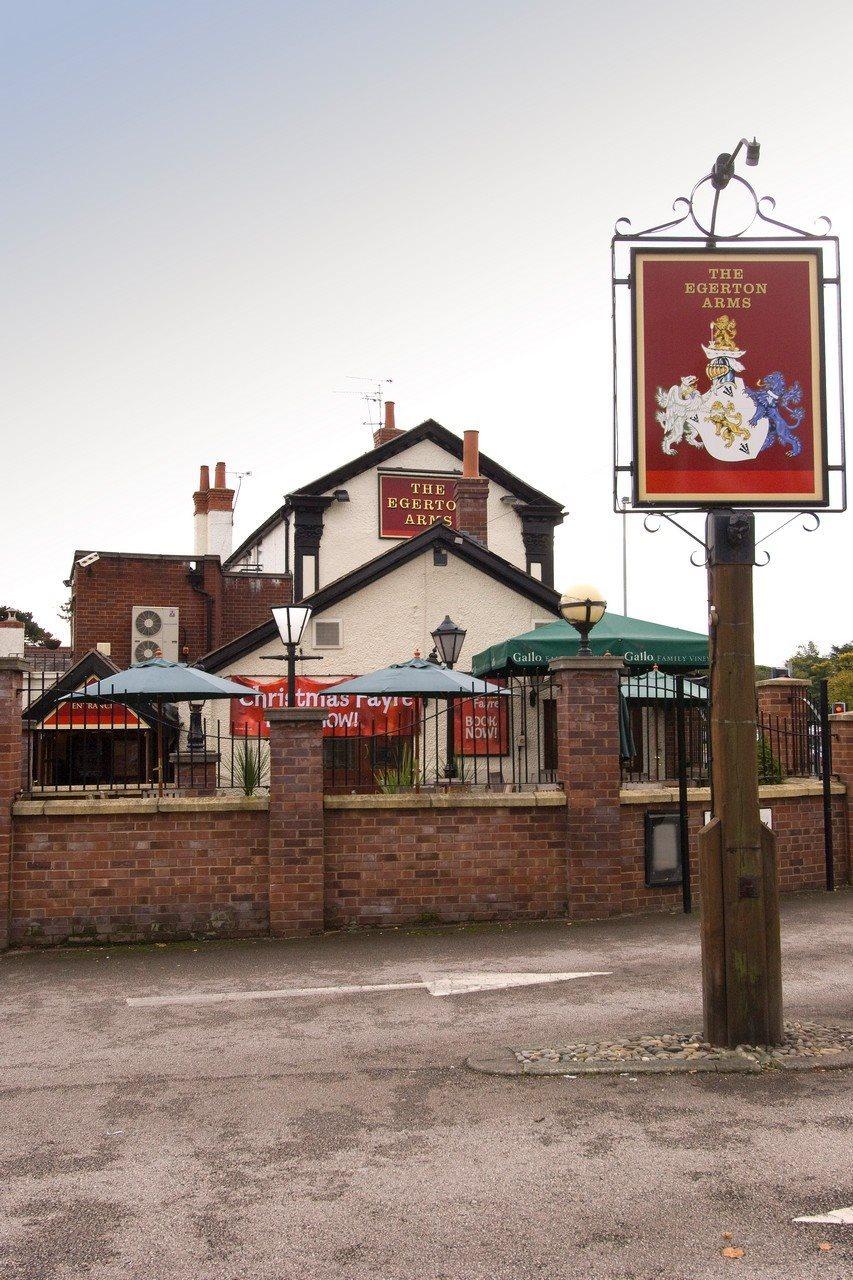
{"points": [[351, 532], [220, 525], [12, 639]]}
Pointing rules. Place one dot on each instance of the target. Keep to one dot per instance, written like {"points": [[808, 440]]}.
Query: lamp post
{"points": [[625, 503], [448, 640], [291, 620], [583, 607]]}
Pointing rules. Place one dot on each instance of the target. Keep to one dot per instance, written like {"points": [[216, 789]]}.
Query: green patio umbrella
{"points": [[158, 680], [639, 643]]}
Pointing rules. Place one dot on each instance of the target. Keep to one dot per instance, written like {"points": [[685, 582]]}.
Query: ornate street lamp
{"points": [[583, 606], [448, 640], [291, 620]]}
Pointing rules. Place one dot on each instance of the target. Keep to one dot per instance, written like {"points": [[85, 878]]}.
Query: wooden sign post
{"points": [[731, 415], [741, 955]]}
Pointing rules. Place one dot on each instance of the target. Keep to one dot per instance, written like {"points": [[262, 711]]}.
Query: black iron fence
{"points": [[75, 747], [656, 717], [789, 744], [501, 742], [71, 747]]}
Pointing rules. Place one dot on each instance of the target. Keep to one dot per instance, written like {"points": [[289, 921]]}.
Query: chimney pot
{"points": [[221, 482], [389, 429], [204, 480], [471, 455]]}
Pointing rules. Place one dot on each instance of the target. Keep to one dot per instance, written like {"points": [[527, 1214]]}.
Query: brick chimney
{"points": [[389, 431], [472, 491], [11, 638], [200, 505], [214, 514]]}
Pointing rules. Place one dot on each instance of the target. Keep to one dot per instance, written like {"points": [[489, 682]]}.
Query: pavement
{"points": [[341, 1134]]}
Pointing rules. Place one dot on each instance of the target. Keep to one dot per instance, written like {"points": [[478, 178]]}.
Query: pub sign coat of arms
{"points": [[729, 401]]}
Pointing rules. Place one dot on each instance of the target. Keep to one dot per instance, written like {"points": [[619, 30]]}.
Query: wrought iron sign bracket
{"points": [[689, 231]]}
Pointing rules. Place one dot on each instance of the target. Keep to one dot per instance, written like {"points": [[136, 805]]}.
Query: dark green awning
{"points": [[641, 644]]}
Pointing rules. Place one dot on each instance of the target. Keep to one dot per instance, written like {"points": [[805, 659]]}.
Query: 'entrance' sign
{"points": [[410, 504], [729, 400]]}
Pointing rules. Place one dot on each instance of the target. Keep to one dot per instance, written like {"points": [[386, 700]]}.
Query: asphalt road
{"points": [[342, 1135]]}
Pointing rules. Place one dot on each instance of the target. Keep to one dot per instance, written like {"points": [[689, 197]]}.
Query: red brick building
{"points": [[209, 603]]}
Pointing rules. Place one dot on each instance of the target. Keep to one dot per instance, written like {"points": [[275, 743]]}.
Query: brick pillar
{"points": [[11, 753], [841, 736], [297, 838], [196, 772], [784, 722], [588, 767]]}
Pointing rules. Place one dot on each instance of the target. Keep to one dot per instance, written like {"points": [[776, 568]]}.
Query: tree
{"points": [[808, 663], [33, 633]]}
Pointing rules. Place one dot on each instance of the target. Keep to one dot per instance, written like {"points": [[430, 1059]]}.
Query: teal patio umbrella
{"points": [[416, 678], [155, 681], [640, 644]]}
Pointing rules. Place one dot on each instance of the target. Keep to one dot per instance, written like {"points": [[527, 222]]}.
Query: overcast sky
{"points": [[217, 212]]}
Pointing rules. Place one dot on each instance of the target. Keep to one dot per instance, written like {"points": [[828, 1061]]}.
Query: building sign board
{"points": [[408, 504], [729, 393]]}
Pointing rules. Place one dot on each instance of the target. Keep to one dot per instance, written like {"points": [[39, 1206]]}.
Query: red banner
{"points": [[91, 715], [410, 504], [481, 727], [353, 714], [729, 402]]}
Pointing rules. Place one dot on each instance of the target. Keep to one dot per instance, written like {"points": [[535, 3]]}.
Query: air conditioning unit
{"points": [[154, 633]]}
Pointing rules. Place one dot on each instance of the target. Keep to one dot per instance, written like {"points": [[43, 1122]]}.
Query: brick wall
{"points": [[144, 870], [126, 870], [220, 607], [247, 599], [394, 860], [797, 821]]}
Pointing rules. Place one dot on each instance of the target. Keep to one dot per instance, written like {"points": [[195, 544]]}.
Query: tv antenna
{"points": [[373, 398], [240, 476]]}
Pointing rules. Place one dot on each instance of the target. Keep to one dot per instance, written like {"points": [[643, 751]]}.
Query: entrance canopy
{"points": [[640, 644]]}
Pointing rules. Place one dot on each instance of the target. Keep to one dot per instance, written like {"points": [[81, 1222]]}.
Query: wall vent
{"points": [[327, 635]]}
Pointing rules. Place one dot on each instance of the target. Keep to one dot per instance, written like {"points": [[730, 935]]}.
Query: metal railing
{"points": [[788, 744], [505, 742], [86, 748]]}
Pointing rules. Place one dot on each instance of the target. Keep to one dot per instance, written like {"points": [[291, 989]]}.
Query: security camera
{"points": [[85, 561]]}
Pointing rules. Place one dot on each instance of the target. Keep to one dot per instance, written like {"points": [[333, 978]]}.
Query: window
{"points": [[327, 635]]}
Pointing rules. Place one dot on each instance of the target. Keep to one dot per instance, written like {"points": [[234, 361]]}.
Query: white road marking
{"points": [[220, 997], [437, 985], [836, 1217], [460, 984]]}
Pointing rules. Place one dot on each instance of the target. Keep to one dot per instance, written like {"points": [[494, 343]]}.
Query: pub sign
{"points": [[729, 397], [408, 504]]}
